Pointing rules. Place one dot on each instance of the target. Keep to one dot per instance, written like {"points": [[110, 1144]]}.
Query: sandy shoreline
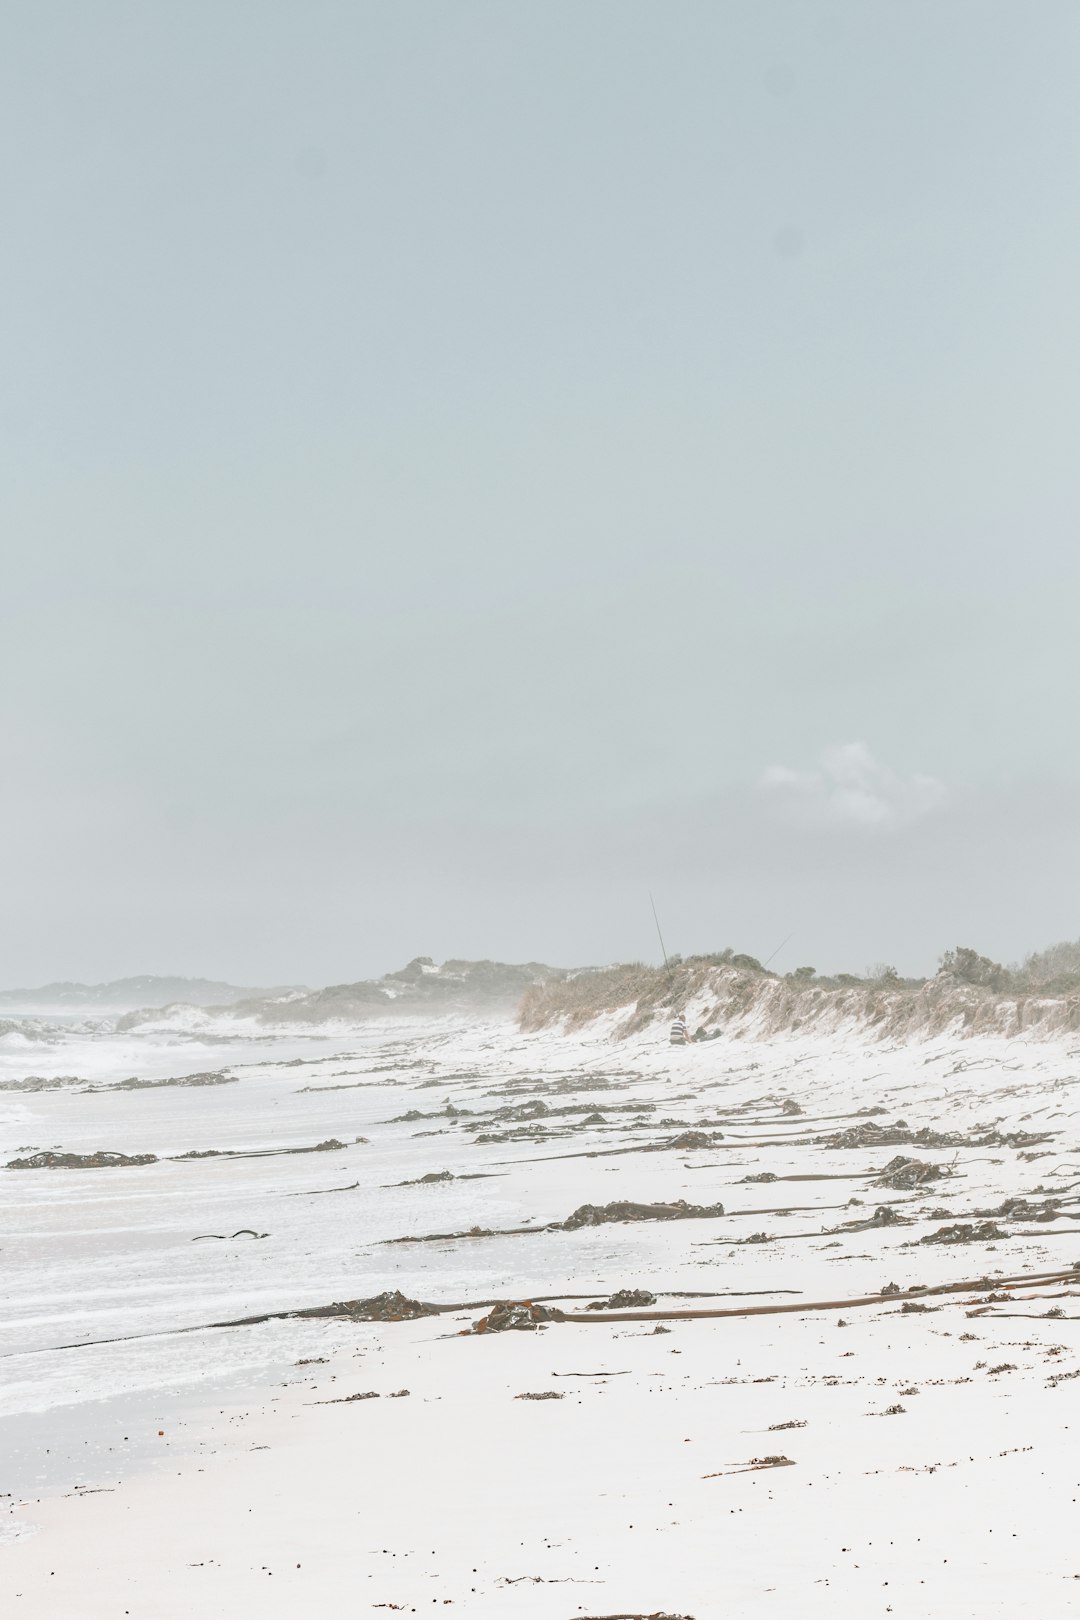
{"points": [[632, 1492]]}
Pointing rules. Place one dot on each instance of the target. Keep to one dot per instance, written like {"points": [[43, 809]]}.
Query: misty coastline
{"points": [[726, 991]]}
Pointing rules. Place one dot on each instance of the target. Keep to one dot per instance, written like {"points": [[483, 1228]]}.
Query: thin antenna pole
{"points": [[659, 935], [777, 951]]}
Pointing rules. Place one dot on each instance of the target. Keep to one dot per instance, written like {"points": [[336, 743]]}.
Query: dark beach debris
{"points": [[624, 1299], [348, 1085], [331, 1145], [525, 1113], [318, 1192], [903, 1175], [1021, 1280], [101, 1160], [347, 1400], [625, 1210], [390, 1306], [693, 1140], [896, 1410], [518, 1113], [42, 1082], [541, 1395], [623, 1372], [398, 1394], [512, 1316], [792, 1423], [760, 1237], [487, 1138], [566, 1084], [473, 1232], [754, 1464], [657, 1614], [762, 1176], [900, 1133], [213, 1077], [225, 1237], [884, 1215], [1019, 1209], [585, 1215], [871, 1135], [413, 1115], [395, 1307], [966, 1232], [436, 1178]]}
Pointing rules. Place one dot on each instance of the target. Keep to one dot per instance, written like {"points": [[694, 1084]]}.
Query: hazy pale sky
{"points": [[467, 464]]}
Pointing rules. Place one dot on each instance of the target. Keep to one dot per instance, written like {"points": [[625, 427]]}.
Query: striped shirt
{"points": [[679, 1035]]}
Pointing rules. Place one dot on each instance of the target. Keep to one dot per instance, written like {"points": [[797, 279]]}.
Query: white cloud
{"points": [[851, 788]]}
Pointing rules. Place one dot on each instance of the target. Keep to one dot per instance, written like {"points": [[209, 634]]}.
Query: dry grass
{"points": [[648, 990], [744, 1002]]}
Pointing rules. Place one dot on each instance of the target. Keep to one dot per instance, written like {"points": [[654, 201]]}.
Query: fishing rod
{"points": [[659, 935], [778, 949]]}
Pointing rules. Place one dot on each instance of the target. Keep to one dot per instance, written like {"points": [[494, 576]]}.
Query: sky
{"points": [[468, 465]]}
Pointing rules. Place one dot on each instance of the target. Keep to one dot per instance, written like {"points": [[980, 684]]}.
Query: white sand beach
{"points": [[918, 1452]]}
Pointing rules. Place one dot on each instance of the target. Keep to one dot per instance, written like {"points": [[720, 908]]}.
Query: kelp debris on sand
{"points": [[390, 1306], [214, 1077], [626, 1210], [625, 1299], [1021, 1280], [900, 1133], [101, 1160], [347, 1400], [755, 1463], [966, 1232], [471, 1232], [657, 1614], [903, 1175], [512, 1316], [41, 1082], [331, 1145], [585, 1215], [1019, 1209], [437, 1177]]}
